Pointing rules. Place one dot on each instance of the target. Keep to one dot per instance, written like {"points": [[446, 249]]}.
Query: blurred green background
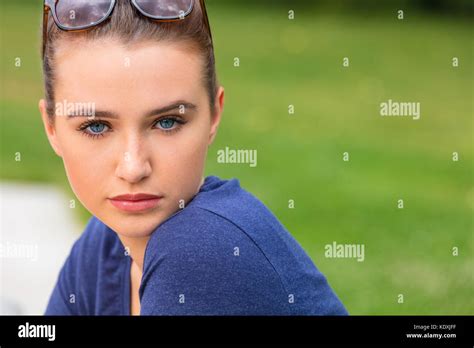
{"points": [[300, 156]]}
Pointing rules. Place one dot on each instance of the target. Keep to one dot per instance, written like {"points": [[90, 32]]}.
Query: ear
{"points": [[216, 114], [49, 128]]}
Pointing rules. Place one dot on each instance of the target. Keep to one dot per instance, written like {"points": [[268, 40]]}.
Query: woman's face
{"points": [[130, 146]]}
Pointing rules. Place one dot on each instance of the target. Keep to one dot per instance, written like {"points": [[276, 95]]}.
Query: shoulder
{"points": [[207, 261], [76, 289], [96, 239], [231, 255], [202, 234], [230, 201]]}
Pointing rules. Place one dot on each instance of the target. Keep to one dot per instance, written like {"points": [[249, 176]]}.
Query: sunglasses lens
{"points": [[171, 9], [79, 13]]}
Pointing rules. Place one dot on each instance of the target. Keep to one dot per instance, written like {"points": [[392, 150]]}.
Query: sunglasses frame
{"points": [[50, 5]]}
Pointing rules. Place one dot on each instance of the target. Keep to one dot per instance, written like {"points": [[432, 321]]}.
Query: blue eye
{"points": [[96, 128], [166, 123], [170, 124]]}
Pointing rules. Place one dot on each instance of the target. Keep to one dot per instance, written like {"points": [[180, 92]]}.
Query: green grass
{"points": [[299, 62]]}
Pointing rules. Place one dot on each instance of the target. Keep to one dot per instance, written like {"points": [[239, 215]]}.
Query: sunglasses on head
{"points": [[76, 15]]}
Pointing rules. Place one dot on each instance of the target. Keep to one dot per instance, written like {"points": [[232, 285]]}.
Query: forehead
{"points": [[106, 71]]}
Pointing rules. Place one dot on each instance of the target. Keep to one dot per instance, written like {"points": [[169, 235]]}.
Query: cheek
{"points": [[181, 161], [84, 169], [194, 147]]}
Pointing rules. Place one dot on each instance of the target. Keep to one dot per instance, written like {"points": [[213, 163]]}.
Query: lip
{"points": [[136, 202]]}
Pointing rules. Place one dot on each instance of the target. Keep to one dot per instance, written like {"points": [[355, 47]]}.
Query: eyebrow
{"points": [[177, 105]]}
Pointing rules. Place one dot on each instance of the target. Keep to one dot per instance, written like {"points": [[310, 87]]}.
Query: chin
{"points": [[135, 225], [132, 224], [132, 230]]}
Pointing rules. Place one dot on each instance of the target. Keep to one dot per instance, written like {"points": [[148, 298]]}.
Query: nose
{"points": [[134, 163]]}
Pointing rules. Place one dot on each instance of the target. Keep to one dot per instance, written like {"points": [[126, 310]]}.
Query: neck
{"points": [[136, 248]]}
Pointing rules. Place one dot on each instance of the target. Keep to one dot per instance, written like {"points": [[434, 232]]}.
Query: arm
{"points": [[195, 269], [63, 298]]}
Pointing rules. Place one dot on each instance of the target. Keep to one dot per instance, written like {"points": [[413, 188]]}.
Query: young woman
{"points": [[131, 105]]}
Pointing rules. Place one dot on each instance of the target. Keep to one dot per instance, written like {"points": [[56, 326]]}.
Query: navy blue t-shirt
{"points": [[225, 253]]}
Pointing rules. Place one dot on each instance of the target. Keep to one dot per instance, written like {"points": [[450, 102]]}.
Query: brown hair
{"points": [[130, 27]]}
